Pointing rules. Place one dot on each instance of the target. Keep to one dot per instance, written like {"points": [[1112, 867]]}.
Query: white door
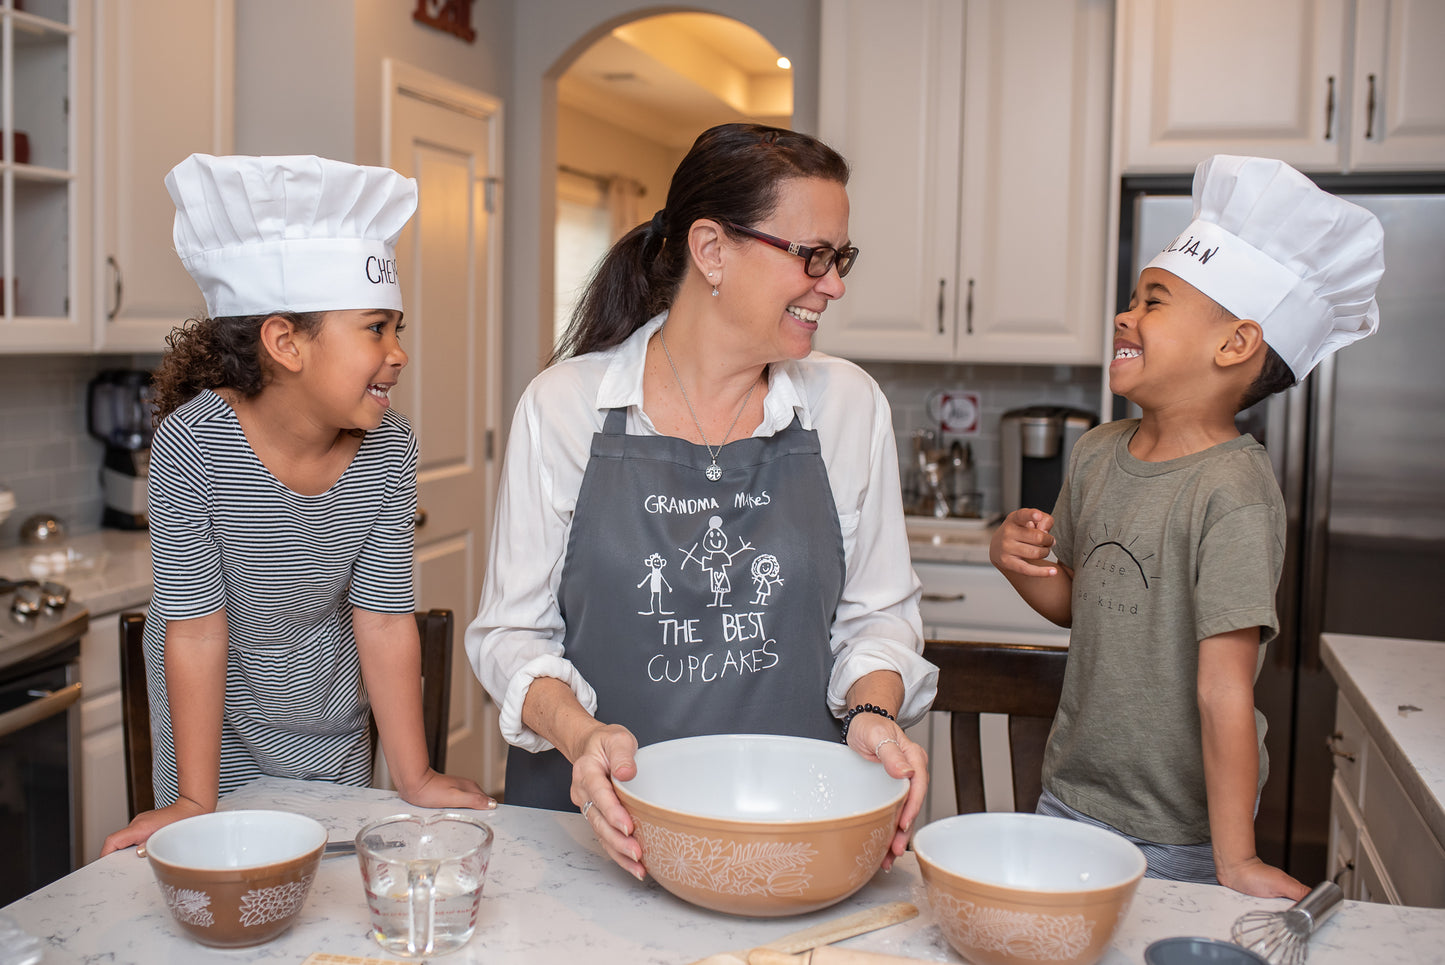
{"points": [[448, 137]]}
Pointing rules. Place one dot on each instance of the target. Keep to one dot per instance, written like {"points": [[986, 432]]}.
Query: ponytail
{"points": [[732, 173]]}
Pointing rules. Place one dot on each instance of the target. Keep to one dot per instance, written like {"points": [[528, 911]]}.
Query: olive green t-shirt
{"points": [[1164, 555]]}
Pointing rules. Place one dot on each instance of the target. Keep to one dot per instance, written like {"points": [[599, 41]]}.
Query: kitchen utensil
{"points": [[1282, 937], [1010, 888], [825, 955], [761, 824], [423, 877], [1198, 951], [42, 528], [233, 879], [835, 930]]}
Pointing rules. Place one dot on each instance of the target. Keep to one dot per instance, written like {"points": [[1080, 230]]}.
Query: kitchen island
{"points": [[553, 898]]}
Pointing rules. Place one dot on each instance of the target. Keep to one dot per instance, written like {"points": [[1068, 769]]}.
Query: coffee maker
{"points": [[1035, 443], [120, 415]]}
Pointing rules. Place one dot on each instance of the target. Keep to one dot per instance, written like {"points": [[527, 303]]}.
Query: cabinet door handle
{"points": [[1330, 743], [418, 520], [1345, 868], [1370, 110], [943, 597], [942, 285], [1330, 109], [968, 309], [115, 266]]}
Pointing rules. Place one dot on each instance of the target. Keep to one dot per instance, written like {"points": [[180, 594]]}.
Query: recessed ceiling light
{"points": [[784, 63]]}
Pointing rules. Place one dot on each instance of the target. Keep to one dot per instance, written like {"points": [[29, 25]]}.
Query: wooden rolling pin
{"points": [[827, 955], [833, 930]]}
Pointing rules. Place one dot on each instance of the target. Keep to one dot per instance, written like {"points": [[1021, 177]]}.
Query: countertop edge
{"points": [[1407, 771]]}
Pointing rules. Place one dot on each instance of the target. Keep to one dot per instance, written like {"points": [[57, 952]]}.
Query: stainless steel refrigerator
{"points": [[1359, 451]]}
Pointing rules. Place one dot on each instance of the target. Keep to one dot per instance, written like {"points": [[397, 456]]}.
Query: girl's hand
{"points": [[149, 822], [607, 751], [877, 738], [435, 790]]}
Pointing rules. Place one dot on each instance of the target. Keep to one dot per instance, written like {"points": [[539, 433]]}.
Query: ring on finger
{"points": [[585, 808], [886, 740]]}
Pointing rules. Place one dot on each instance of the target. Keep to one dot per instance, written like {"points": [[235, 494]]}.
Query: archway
{"points": [[629, 104]]}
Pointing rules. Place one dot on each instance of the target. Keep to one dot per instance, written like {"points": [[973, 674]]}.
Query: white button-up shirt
{"points": [[518, 633]]}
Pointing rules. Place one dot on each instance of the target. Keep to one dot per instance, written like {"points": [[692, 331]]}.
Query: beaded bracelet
{"points": [[862, 709]]}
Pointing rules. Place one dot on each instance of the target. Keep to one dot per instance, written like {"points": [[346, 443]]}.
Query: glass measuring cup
{"points": [[423, 877]]}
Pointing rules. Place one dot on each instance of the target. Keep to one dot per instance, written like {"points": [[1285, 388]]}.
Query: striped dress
{"points": [[287, 569]]}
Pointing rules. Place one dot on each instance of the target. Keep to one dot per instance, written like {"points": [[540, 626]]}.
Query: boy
{"points": [[1169, 530]]}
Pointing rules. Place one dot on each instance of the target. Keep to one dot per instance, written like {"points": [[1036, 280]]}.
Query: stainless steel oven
{"points": [[40, 631]]}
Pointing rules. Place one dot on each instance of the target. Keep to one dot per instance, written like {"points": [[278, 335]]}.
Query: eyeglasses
{"points": [[816, 260]]}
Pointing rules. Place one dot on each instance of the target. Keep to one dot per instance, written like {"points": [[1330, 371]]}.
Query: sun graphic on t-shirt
{"points": [[1114, 561]]}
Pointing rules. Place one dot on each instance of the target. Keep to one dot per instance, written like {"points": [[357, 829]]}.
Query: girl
{"points": [[282, 491]]}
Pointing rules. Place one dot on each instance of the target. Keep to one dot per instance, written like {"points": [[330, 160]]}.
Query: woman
{"points": [[687, 435]]}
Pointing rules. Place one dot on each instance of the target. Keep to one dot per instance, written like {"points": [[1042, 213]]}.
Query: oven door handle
{"points": [[50, 703]]}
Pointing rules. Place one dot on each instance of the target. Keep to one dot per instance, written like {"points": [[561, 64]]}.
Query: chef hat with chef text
{"points": [[1267, 244], [298, 233]]}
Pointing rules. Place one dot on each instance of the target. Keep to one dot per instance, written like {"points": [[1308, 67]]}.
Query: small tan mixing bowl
{"points": [[761, 825], [236, 878], [1023, 889]]}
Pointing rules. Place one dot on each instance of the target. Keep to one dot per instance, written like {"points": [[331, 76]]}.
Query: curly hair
{"points": [[217, 353]]}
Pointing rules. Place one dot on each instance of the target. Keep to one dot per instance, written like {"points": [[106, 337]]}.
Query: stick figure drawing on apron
{"points": [[716, 559], [654, 564]]}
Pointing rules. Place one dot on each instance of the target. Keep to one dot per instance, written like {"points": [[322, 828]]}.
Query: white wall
{"points": [[588, 144], [308, 74]]}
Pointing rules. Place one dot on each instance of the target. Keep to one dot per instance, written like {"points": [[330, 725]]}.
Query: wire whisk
{"points": [[1282, 937]]}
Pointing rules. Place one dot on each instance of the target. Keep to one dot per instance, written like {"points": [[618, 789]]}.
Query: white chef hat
{"points": [[299, 233], [1269, 245]]}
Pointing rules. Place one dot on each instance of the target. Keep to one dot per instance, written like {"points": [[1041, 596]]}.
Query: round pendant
{"points": [[714, 472]]}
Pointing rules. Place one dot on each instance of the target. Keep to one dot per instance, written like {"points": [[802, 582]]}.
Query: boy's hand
{"points": [[1022, 542], [1254, 877]]}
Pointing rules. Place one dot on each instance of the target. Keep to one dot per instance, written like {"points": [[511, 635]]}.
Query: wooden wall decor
{"points": [[452, 16]]}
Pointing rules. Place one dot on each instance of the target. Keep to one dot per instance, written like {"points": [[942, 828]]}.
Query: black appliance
{"points": [[1356, 449], [120, 414], [40, 632], [1035, 443]]}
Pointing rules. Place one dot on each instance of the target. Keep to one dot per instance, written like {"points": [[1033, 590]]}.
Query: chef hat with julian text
{"points": [[298, 233], [1269, 245]]}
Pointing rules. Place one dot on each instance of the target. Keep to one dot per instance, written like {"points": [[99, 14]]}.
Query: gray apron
{"points": [[697, 607]]}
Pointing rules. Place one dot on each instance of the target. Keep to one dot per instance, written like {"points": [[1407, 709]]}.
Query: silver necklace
{"points": [[714, 472]]}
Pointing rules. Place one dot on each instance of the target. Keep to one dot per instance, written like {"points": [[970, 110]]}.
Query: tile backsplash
{"points": [[47, 458], [1000, 388]]}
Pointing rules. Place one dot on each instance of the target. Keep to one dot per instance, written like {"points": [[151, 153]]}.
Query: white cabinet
{"points": [[977, 132], [1327, 85], [164, 83], [1381, 848], [44, 196], [969, 601], [105, 806]]}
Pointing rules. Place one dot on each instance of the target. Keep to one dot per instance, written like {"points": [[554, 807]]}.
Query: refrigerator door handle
{"points": [[1316, 521]]}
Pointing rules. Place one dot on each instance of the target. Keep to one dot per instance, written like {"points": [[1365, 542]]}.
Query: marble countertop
{"points": [[552, 896], [107, 570], [949, 540], [1398, 689]]}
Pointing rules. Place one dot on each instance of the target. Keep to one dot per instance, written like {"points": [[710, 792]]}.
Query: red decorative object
{"points": [[452, 16]]}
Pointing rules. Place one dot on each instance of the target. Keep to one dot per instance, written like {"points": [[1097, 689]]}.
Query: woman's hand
{"points": [[877, 738], [149, 822], [608, 751], [436, 790]]}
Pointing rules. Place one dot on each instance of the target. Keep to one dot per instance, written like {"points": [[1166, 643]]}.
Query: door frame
{"points": [[403, 80]]}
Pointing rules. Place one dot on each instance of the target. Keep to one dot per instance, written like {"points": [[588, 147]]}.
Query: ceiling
{"points": [[669, 77]]}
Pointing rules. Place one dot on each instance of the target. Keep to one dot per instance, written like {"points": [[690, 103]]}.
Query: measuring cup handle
{"points": [[421, 897]]}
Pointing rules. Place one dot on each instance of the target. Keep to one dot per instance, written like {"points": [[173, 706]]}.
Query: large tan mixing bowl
{"points": [[236, 878], [1026, 889], [761, 825]]}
